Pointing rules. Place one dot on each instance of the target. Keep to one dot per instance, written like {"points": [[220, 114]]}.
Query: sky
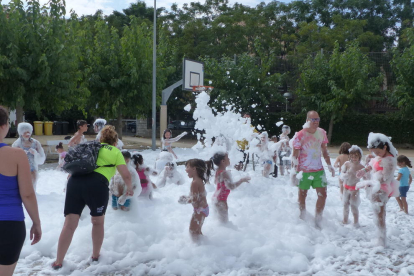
{"points": [[82, 7]]}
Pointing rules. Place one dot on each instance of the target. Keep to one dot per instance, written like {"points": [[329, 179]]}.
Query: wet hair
{"points": [[165, 131], [273, 137], [80, 123], [286, 127], [109, 135], [4, 116], [344, 149], [126, 154], [404, 159], [200, 166], [378, 144], [355, 151], [60, 146], [137, 159], [215, 160]]}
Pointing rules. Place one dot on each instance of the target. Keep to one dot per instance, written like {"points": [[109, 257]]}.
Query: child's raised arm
{"points": [[228, 181], [175, 139]]}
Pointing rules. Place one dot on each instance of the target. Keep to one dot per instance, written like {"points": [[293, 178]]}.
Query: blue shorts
{"points": [[404, 190], [115, 202]]}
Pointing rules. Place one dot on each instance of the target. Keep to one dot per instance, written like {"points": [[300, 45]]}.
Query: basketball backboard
{"points": [[193, 74]]}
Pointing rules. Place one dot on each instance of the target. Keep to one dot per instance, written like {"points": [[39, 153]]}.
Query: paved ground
{"points": [[145, 143]]}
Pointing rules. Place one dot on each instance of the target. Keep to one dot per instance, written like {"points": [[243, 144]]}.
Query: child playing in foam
{"points": [[167, 140], [340, 161], [224, 183], [285, 151], [118, 188], [170, 174], [349, 180], [32, 148], [144, 173], [62, 154], [382, 184], [404, 176], [196, 169], [265, 154], [98, 125]]}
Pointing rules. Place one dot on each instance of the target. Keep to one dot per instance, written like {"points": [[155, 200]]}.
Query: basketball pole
{"points": [[154, 80]]}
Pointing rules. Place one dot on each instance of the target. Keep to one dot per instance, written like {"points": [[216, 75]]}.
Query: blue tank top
{"points": [[10, 201]]}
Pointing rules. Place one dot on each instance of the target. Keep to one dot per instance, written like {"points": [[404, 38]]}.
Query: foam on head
{"points": [[99, 123], [24, 127], [355, 148], [375, 140]]}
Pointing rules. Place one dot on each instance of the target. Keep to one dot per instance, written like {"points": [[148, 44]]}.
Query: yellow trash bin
{"points": [[48, 128], [38, 127]]}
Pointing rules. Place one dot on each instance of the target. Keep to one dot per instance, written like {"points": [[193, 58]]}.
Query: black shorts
{"points": [[90, 189], [12, 236]]}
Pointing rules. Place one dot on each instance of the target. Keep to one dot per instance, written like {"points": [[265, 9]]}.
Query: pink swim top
{"points": [[143, 178], [221, 192], [377, 166]]}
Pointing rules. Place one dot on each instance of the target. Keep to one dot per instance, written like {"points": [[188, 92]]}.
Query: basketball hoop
{"points": [[199, 88]]}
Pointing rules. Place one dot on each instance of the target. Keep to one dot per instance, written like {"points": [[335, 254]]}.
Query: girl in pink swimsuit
{"points": [[382, 184], [224, 184], [144, 173], [196, 169]]}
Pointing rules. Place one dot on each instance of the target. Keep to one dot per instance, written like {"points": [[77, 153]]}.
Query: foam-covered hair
{"points": [[379, 140], [287, 128], [264, 134], [23, 127], [100, 123], [356, 148]]}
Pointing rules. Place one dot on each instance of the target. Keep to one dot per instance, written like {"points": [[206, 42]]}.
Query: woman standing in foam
{"points": [[167, 140], [382, 184], [32, 148], [98, 125]]}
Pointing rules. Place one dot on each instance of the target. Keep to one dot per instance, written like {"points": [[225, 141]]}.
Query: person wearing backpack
{"points": [[92, 189]]}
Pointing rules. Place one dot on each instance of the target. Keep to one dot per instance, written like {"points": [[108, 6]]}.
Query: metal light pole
{"points": [[154, 79], [287, 96]]}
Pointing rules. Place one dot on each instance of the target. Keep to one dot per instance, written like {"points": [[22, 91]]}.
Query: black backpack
{"points": [[82, 158]]}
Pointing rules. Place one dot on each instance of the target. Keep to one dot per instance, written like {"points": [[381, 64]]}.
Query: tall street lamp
{"points": [[287, 96], [154, 79]]}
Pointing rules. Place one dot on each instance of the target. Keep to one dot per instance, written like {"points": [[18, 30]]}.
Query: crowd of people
{"points": [[121, 174]]}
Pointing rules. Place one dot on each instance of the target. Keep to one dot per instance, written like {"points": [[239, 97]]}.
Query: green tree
{"points": [[120, 70], [403, 65], [337, 84], [248, 84], [38, 64]]}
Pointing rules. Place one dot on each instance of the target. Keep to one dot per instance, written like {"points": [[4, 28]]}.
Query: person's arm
{"points": [[177, 138], [399, 176], [28, 195], [126, 176], [325, 154], [410, 180], [75, 140], [228, 181], [39, 154], [337, 162]]}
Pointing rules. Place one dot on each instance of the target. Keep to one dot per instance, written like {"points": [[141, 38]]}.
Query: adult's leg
{"points": [[7, 270], [302, 202], [97, 234], [69, 227], [320, 204]]}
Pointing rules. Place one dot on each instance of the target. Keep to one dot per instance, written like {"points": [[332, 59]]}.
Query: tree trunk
{"points": [[19, 114], [119, 125], [331, 124]]}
